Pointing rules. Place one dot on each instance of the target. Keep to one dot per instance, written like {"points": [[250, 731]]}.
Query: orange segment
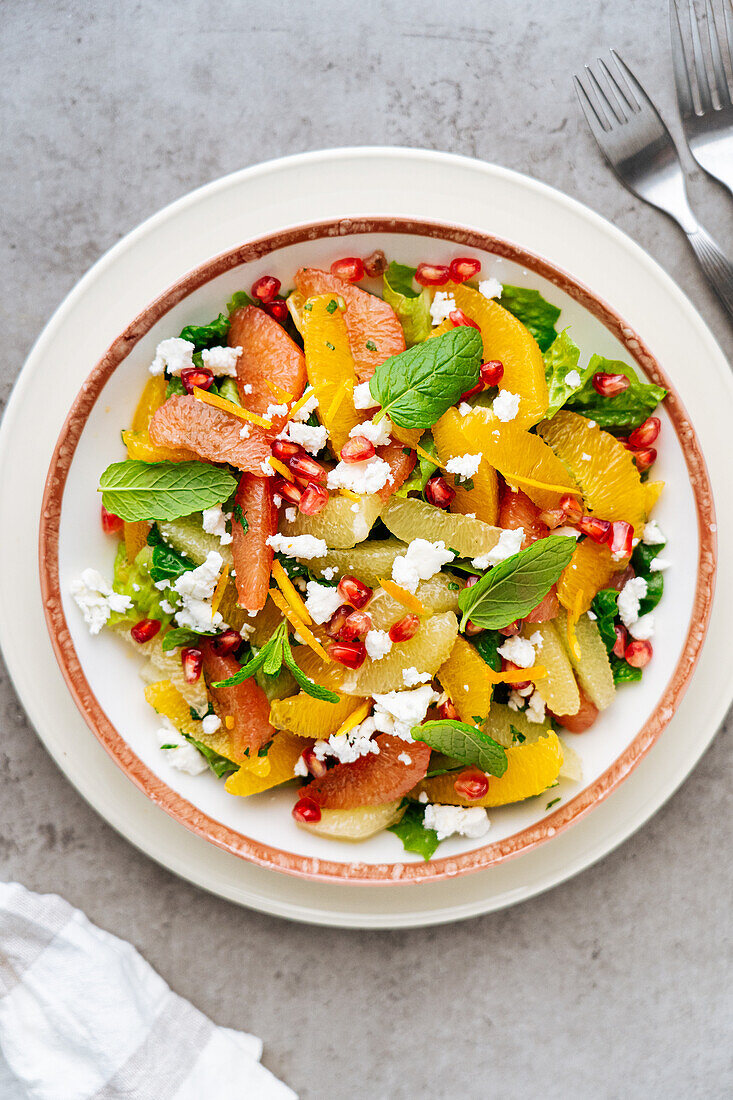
{"points": [[590, 569], [165, 698], [330, 366], [136, 536], [282, 758], [456, 435], [309, 717], [464, 677], [151, 398], [531, 769], [140, 446], [652, 491]]}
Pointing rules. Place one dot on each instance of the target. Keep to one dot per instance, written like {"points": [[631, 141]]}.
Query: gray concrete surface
{"points": [[616, 984]]}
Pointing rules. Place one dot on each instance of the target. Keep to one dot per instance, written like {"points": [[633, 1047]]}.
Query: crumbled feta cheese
{"points": [[245, 431], [173, 355], [167, 607], [378, 644], [506, 405], [361, 477], [301, 768], [348, 747], [464, 465], [298, 546], [658, 565], [215, 523], [96, 600], [378, 434], [490, 288], [516, 701], [470, 821], [275, 410], [572, 378], [196, 588], [629, 598], [537, 640], [247, 388], [422, 561], [396, 712], [291, 514], [643, 629], [329, 572], [211, 723], [266, 468], [464, 408], [510, 542], [182, 754], [312, 438], [592, 424], [307, 407], [567, 532], [519, 651], [221, 361], [277, 499], [652, 535], [592, 616], [535, 708], [442, 306], [585, 456], [322, 600], [404, 758], [363, 397], [411, 677]]}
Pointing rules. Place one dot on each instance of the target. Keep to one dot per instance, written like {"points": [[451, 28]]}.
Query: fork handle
{"points": [[716, 266]]}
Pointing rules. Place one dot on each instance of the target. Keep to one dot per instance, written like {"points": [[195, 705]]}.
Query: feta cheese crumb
{"points": [[464, 408], [592, 616], [322, 600], [629, 598], [329, 572], [96, 600], [211, 723], [301, 768], [298, 546], [643, 629], [363, 397], [510, 542], [506, 405], [572, 378], [658, 565], [537, 640], [167, 607], [266, 468], [652, 535], [469, 821], [215, 523], [307, 407], [422, 561], [245, 431], [378, 644], [312, 438], [378, 434], [181, 754], [396, 712], [348, 747], [247, 388], [535, 708], [273, 411], [519, 651], [404, 758], [442, 306], [411, 677], [422, 797], [173, 355], [592, 424], [221, 361], [464, 465], [490, 288], [567, 532], [196, 588], [291, 514], [585, 456], [361, 477]]}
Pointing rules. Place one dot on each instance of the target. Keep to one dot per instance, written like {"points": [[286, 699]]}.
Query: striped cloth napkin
{"points": [[83, 1016]]}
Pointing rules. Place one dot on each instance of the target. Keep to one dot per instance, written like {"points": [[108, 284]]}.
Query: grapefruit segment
{"points": [[309, 717], [268, 355], [185, 422], [517, 510], [400, 464], [558, 688], [341, 524], [140, 446], [373, 779], [246, 703], [250, 550], [408, 519], [356, 824], [426, 651]]}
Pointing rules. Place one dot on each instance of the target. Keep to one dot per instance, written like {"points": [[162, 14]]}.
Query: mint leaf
{"points": [[560, 359], [137, 490], [207, 336], [605, 609], [238, 299], [535, 313], [178, 636], [487, 647], [516, 585], [464, 743], [317, 691], [250, 667], [167, 563], [416, 387], [411, 306], [219, 764], [625, 410], [412, 832]]}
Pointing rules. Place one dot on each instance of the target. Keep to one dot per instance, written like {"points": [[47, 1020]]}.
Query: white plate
{"points": [[246, 205]]}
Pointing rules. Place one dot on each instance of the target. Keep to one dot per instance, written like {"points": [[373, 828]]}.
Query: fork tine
{"points": [[615, 113], [721, 80], [635, 88], [596, 124], [616, 88], [728, 20], [680, 64], [703, 88]]}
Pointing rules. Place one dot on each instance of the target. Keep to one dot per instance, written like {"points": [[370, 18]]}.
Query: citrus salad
{"points": [[380, 543]]}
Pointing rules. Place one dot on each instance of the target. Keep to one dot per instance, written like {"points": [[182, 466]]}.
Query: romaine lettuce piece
{"points": [[626, 410], [535, 313], [411, 306]]}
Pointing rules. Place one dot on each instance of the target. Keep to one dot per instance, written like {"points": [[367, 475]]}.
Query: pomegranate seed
{"points": [[357, 624], [404, 628], [285, 449], [196, 376], [622, 639], [608, 385], [111, 524], [313, 499], [478, 388], [471, 784], [646, 433], [638, 654], [316, 767], [644, 459], [355, 591], [350, 268], [306, 811], [621, 535], [375, 264], [463, 268], [357, 449], [458, 317], [351, 654], [191, 660], [265, 288], [286, 490], [512, 629], [552, 518], [599, 530], [623, 439], [472, 580], [438, 492], [432, 275], [572, 509], [492, 372], [447, 710], [335, 624], [277, 308], [227, 643], [471, 629], [145, 630], [306, 467]]}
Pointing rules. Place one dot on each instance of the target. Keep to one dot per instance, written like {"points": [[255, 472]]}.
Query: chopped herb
{"points": [[477, 719], [330, 346], [453, 586], [169, 746], [371, 346], [240, 518], [407, 450], [264, 749], [553, 802], [516, 735], [308, 307], [332, 306]]}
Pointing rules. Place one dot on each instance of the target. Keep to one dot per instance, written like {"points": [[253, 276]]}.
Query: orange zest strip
{"points": [[397, 592], [279, 392], [219, 590], [290, 592], [298, 625], [516, 675], [230, 407], [354, 719], [424, 454], [229, 722], [542, 485], [281, 468], [348, 493], [301, 401]]}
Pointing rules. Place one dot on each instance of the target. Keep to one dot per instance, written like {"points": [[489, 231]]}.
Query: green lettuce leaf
{"points": [[412, 832], [177, 637], [229, 391], [219, 764], [535, 313], [561, 358], [424, 469], [133, 579], [208, 336], [239, 298], [166, 563], [411, 306], [487, 646], [623, 672], [624, 411]]}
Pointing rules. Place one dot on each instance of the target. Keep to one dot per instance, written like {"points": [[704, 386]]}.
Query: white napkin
{"points": [[82, 1015]]}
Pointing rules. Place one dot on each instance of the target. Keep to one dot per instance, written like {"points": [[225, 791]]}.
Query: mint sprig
{"points": [[275, 653], [516, 585], [463, 742], [137, 490]]}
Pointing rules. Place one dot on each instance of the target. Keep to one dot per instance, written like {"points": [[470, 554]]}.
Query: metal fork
{"points": [[640, 150], [708, 125]]}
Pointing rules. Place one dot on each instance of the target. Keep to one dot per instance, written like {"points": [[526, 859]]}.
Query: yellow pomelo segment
{"points": [[426, 651], [501, 720], [356, 824], [592, 667], [341, 524], [465, 677], [329, 675], [139, 446], [136, 536], [167, 700], [609, 479], [237, 618], [308, 717], [507, 339], [590, 569], [151, 399], [558, 688], [531, 769], [384, 610], [410, 519], [282, 757], [165, 665], [330, 367], [652, 492], [457, 435]]}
